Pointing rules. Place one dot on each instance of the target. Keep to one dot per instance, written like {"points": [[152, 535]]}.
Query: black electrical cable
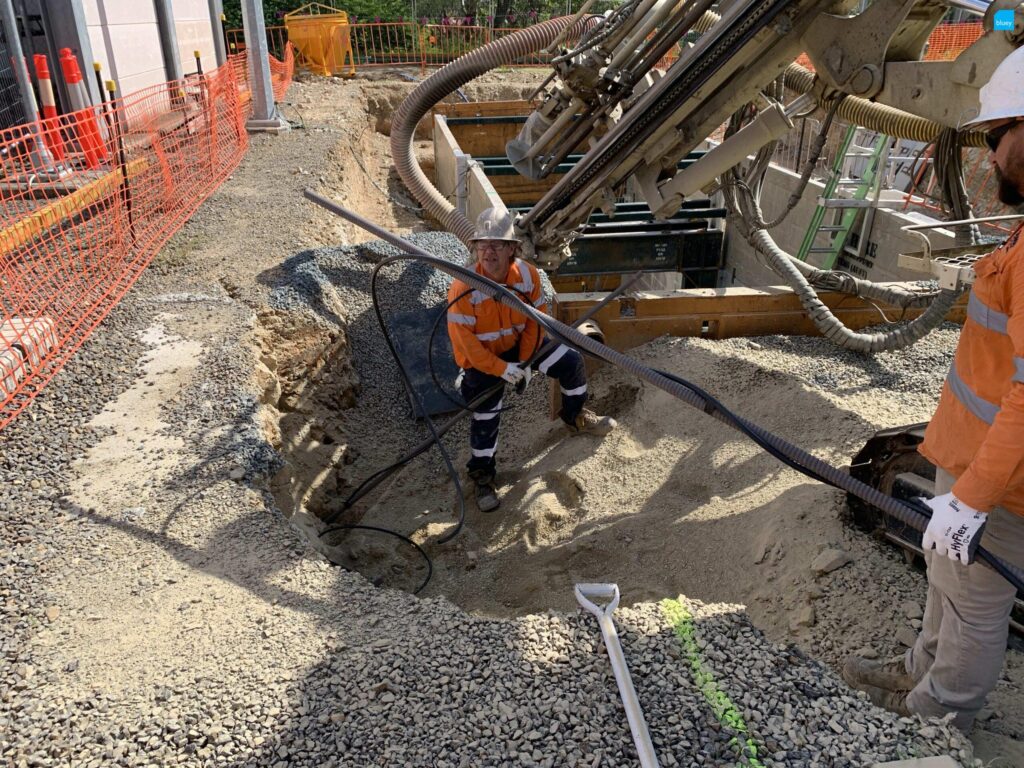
{"points": [[418, 400], [714, 407], [912, 513], [389, 532]]}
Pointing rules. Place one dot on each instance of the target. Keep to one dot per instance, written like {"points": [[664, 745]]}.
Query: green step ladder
{"points": [[847, 208]]}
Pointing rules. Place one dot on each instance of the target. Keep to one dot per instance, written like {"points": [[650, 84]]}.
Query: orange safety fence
{"points": [[282, 71], [76, 234], [384, 45], [947, 41]]}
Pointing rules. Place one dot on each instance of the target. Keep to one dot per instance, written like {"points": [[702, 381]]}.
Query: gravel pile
{"points": [[330, 287], [917, 371], [366, 677]]}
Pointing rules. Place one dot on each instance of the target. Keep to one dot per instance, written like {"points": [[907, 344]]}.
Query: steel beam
{"points": [[168, 39], [265, 116], [219, 46]]}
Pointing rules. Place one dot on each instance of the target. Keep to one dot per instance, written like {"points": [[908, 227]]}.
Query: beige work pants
{"points": [[959, 652]]}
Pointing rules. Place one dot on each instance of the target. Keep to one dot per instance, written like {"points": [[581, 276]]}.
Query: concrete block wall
{"points": [[125, 39], [195, 33]]}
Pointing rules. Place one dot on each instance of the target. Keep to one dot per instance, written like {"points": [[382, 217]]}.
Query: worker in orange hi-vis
{"points": [[492, 344], [976, 441]]}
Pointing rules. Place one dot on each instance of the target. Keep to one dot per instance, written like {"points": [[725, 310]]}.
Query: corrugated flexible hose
{"points": [[501, 52]]}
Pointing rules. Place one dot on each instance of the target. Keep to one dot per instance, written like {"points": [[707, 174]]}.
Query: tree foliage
{"points": [[498, 13]]}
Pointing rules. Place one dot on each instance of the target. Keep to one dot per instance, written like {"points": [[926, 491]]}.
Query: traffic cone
{"points": [[51, 125], [86, 130]]}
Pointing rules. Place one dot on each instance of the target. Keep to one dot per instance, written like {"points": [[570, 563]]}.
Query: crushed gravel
{"points": [[177, 617]]}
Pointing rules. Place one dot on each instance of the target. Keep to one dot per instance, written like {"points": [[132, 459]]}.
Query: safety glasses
{"points": [[993, 137], [497, 246]]}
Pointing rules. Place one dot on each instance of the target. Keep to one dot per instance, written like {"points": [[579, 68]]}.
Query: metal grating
{"points": [[11, 111]]}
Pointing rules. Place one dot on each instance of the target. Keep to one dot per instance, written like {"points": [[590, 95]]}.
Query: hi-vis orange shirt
{"points": [[977, 433], [482, 328]]}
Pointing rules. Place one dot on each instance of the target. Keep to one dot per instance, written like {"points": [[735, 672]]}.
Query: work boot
{"points": [[588, 422], [894, 701], [889, 675], [487, 497], [486, 494]]}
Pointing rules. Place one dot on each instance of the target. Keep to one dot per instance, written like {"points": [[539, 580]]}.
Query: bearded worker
{"points": [[976, 442], [492, 344]]}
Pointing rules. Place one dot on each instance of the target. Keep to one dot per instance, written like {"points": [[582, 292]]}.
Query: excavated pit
{"points": [[671, 502]]}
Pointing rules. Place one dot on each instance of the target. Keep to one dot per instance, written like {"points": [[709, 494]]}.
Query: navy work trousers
{"points": [[562, 363]]}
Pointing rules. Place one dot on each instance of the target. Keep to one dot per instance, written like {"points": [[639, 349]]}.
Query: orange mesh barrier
{"points": [[947, 41], [282, 71], [74, 237]]}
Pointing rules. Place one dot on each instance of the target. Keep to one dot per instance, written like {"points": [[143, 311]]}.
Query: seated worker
{"points": [[491, 343]]}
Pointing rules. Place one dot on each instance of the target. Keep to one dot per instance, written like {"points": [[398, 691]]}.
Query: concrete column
{"points": [[168, 39], [265, 116], [219, 46], [28, 96]]}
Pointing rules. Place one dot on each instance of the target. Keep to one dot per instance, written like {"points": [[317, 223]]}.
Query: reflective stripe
{"points": [[526, 286], [476, 297], [1018, 363], [985, 316], [977, 406], [455, 317], [519, 326], [573, 392], [553, 358], [540, 302], [488, 415], [492, 335], [484, 452]]}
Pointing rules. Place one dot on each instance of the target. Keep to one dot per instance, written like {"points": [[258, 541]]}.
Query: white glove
{"points": [[513, 373], [955, 528]]}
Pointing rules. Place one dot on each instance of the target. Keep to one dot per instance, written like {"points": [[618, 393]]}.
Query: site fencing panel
{"points": [[11, 110], [75, 236]]}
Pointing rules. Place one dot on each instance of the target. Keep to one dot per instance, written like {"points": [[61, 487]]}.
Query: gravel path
{"points": [[158, 608]]}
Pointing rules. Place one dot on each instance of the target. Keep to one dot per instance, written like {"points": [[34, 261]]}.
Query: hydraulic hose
{"points": [[501, 52], [913, 514], [830, 326], [880, 117]]}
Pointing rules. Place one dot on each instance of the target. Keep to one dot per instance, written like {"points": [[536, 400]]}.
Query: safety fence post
{"points": [[119, 131]]}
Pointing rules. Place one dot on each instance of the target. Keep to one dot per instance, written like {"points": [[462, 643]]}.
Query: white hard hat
{"points": [[494, 224], [1002, 97]]}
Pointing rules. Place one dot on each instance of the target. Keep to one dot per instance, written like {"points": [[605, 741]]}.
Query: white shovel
{"points": [[586, 595]]}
